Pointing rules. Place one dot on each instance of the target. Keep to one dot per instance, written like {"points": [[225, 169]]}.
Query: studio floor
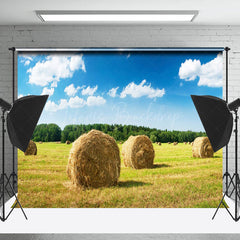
{"points": [[181, 220]]}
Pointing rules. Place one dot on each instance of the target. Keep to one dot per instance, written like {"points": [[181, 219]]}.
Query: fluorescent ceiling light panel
{"points": [[117, 16]]}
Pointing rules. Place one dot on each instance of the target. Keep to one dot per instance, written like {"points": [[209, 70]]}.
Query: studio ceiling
{"points": [[211, 12]]}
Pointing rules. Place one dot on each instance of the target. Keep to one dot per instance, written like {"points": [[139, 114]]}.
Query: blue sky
{"points": [[140, 88]]}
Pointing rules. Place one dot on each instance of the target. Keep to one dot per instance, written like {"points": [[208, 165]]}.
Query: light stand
{"points": [[217, 120], [235, 177], [22, 118], [4, 177]]}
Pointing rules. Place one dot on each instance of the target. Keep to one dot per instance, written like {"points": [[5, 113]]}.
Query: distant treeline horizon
{"points": [[53, 133]]}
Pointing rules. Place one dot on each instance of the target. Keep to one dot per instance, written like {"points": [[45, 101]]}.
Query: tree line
{"points": [[53, 133]]}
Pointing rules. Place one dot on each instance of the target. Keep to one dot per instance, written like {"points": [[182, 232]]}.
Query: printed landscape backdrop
{"points": [[150, 90]]}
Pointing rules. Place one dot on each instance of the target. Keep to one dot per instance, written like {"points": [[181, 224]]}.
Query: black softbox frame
{"points": [[216, 119], [22, 118]]}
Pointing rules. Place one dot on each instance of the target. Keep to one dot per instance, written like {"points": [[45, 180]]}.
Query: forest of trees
{"points": [[47, 133], [53, 133]]}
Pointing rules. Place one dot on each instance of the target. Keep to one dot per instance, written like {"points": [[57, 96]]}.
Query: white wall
{"points": [[120, 36]]}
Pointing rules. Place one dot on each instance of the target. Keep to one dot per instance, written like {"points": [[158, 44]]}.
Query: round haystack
{"points": [[202, 148], [31, 149], [94, 160], [68, 142], [138, 152]]}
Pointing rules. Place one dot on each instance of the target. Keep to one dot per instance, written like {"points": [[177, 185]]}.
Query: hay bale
{"points": [[169, 142], [159, 143], [40, 142], [68, 142], [31, 149], [138, 152], [191, 143], [175, 143], [94, 160], [202, 148]]}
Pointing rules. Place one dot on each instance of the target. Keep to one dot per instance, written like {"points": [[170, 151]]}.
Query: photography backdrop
{"points": [[140, 87]]}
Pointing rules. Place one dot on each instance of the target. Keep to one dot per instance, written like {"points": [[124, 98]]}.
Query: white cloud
{"points": [[51, 106], [54, 68], [76, 102], [113, 92], [95, 101], [47, 91], [73, 102], [26, 60], [71, 90], [89, 91], [209, 74], [63, 104], [189, 70], [26, 57], [54, 84], [141, 90], [76, 62], [27, 63]]}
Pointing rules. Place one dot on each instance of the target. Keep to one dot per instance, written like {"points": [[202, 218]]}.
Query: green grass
{"points": [[177, 181]]}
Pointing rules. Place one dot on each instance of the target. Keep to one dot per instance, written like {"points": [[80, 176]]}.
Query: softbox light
{"points": [[22, 119], [216, 119]]}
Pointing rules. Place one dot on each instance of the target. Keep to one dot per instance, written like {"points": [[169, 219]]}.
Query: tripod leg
{"points": [[17, 200], [229, 212], [11, 210], [219, 204]]}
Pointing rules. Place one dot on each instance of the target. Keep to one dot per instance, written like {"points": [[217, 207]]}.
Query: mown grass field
{"points": [[177, 181]]}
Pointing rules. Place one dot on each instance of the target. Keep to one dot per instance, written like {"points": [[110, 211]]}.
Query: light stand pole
{"points": [[236, 166], [3, 163], [226, 174], [4, 177]]}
